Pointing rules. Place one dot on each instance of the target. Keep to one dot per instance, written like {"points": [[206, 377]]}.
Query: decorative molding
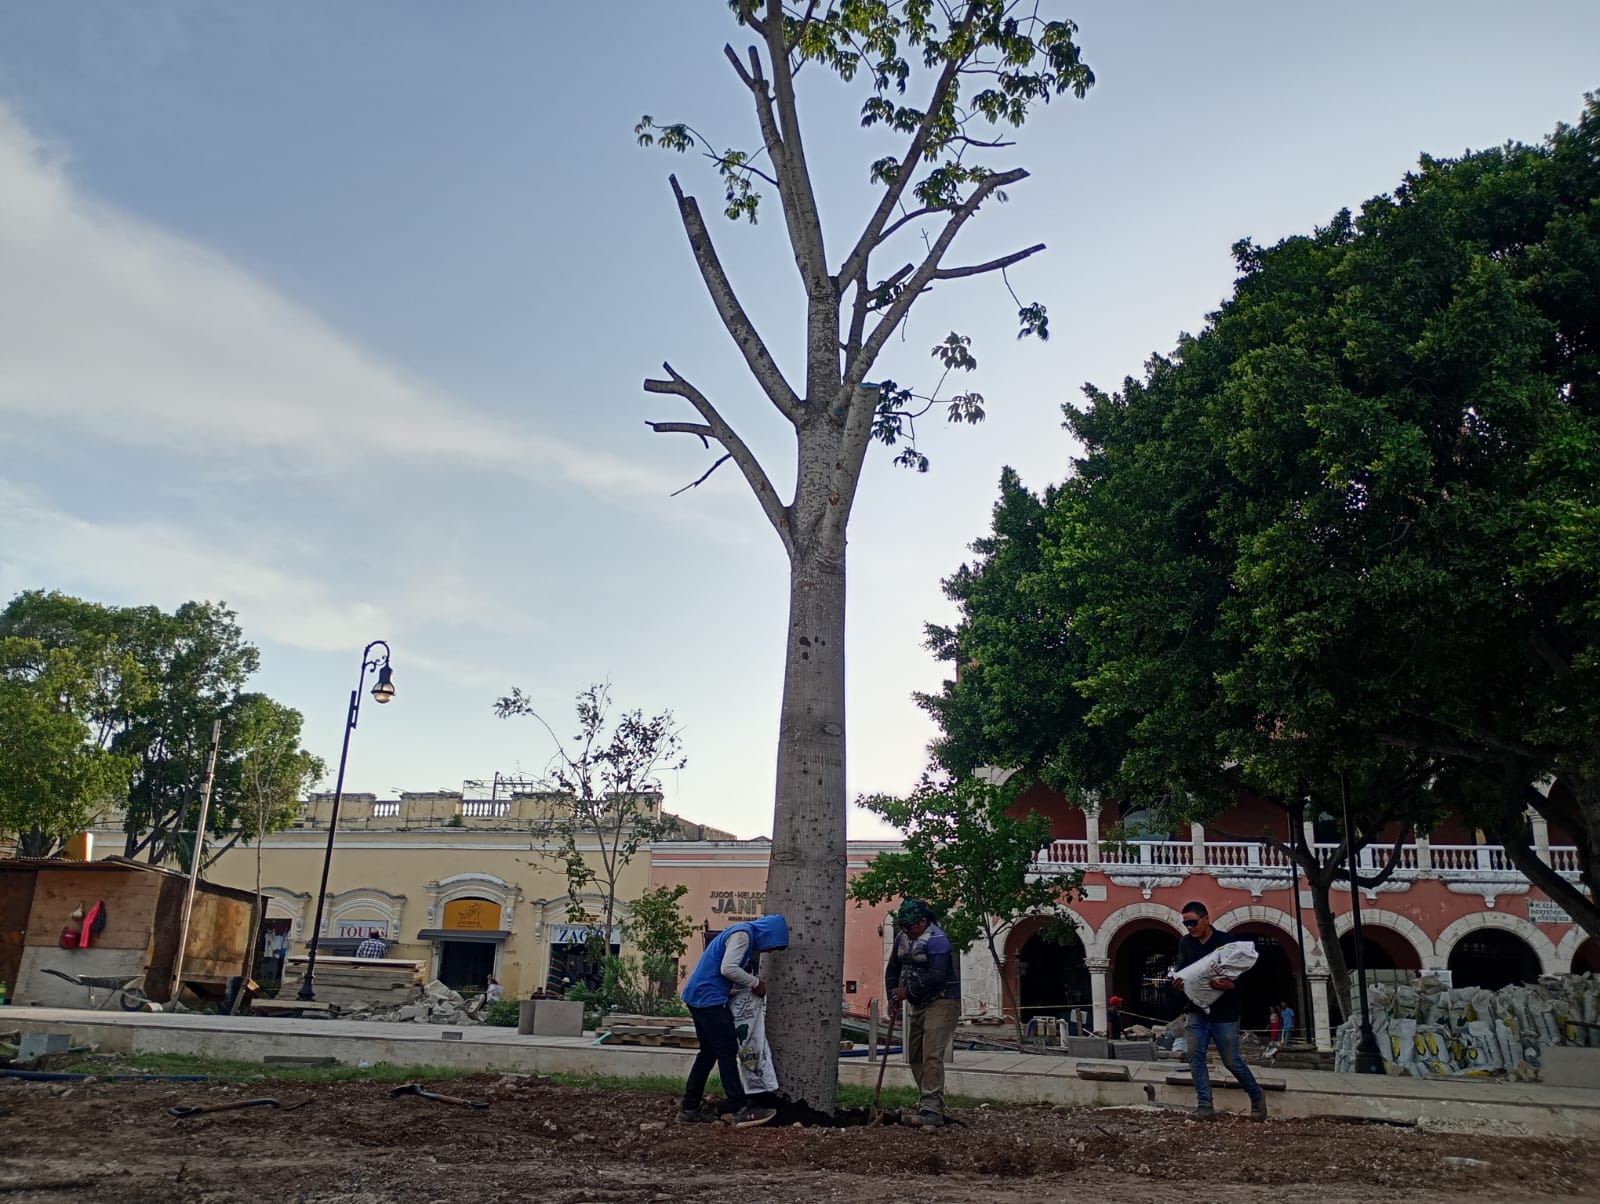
{"points": [[1146, 884], [1489, 890], [1255, 885], [1387, 886]]}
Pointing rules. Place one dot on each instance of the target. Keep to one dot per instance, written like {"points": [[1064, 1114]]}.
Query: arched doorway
{"points": [[1274, 979], [1493, 958], [1586, 958], [1142, 954], [1382, 949], [1052, 976]]}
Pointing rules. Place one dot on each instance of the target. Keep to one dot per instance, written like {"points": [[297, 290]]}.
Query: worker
{"points": [[1114, 1017], [1218, 1024], [374, 947], [922, 975], [730, 963]]}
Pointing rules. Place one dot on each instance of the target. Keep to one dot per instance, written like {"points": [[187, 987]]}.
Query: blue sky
{"points": [[339, 313]]}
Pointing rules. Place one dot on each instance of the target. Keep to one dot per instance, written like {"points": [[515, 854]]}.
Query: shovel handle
{"points": [[888, 1040], [454, 1099], [183, 1110]]}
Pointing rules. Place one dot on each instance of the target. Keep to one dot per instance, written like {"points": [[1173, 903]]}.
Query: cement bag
{"points": [[1483, 1046], [1400, 1049], [755, 1055], [1430, 1051], [1230, 961], [1408, 1003]]}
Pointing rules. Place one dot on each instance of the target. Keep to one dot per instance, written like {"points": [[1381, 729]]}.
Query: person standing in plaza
{"points": [[922, 974], [1286, 1015], [1274, 1023], [729, 964], [1218, 1024]]}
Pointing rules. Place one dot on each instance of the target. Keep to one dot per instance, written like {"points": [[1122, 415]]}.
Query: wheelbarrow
{"points": [[129, 991]]}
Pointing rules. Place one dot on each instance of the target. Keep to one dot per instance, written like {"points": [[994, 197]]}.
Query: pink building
{"points": [[1454, 903]]}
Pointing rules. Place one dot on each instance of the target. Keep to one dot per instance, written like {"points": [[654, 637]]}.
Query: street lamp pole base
{"points": [[1369, 1060]]}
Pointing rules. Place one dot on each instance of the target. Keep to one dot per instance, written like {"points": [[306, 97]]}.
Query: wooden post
{"points": [[194, 864]]}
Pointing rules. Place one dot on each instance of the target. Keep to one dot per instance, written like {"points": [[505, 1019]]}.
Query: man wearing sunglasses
{"points": [[1218, 1024]]}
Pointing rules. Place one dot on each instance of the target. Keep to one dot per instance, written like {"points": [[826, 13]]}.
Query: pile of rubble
{"points": [[434, 1003], [1428, 1029]]}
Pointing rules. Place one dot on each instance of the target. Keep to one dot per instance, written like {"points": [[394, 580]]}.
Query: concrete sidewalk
{"points": [[1016, 1078]]}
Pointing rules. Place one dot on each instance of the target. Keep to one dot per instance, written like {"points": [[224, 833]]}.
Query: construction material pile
{"points": [[431, 1004], [354, 982], [1427, 1029]]}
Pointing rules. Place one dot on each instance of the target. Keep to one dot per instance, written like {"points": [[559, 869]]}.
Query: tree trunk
{"points": [[1321, 884], [1007, 995], [806, 879]]}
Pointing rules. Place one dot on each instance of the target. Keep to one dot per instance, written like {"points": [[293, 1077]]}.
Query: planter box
{"points": [[550, 1018]]}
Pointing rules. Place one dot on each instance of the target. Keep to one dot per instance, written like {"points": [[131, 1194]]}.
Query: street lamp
{"points": [[382, 692], [1368, 1059]]}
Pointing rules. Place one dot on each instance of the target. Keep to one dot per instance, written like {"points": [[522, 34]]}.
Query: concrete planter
{"points": [[550, 1018]]}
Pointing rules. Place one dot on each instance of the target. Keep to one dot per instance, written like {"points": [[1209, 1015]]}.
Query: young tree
{"points": [[967, 853], [974, 67], [609, 804], [658, 926]]}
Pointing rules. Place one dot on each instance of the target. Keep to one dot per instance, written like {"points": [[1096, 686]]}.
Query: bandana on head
{"points": [[912, 910]]}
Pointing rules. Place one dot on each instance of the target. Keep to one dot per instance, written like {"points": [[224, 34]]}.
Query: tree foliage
{"points": [[155, 683], [607, 804], [966, 852], [657, 925], [942, 88]]}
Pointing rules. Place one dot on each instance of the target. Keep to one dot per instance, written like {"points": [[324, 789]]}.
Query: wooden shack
{"points": [[144, 910]]}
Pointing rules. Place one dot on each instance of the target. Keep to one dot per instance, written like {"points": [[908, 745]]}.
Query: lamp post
{"points": [[382, 692], [1368, 1059]]}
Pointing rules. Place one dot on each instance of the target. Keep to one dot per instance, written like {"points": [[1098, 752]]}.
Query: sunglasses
{"points": [[1190, 923]]}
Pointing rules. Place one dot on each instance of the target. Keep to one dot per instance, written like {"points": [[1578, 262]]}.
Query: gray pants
{"points": [[928, 1032]]}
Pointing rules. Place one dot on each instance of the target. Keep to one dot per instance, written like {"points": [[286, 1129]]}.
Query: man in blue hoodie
{"points": [[730, 963]]}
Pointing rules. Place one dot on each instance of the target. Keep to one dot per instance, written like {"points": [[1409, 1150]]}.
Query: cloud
{"points": [[111, 326]]}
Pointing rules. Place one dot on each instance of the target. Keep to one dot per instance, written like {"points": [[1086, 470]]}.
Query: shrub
{"points": [[503, 1012]]}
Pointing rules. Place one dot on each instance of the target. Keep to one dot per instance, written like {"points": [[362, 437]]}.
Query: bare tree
{"points": [[981, 65]]}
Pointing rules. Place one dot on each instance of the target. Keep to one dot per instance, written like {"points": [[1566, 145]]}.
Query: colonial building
{"points": [[463, 884]]}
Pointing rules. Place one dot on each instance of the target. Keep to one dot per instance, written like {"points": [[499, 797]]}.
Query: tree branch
{"points": [[705, 433], [755, 476], [800, 201], [701, 479], [738, 324], [994, 265]]}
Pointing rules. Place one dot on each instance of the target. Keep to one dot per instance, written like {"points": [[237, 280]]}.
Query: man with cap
{"points": [[729, 964], [922, 974]]}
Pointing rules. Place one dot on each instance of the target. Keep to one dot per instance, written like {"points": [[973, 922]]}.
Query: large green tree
{"points": [[54, 777], [157, 683], [942, 83]]}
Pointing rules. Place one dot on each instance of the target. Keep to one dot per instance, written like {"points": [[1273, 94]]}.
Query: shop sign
{"points": [[361, 929], [738, 904], [578, 934], [480, 915]]}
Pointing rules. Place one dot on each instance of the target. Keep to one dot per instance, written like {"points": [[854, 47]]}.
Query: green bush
{"points": [[503, 1012]]}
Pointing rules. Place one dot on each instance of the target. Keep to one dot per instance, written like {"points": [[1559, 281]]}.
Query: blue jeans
{"points": [[1225, 1034], [719, 1047]]}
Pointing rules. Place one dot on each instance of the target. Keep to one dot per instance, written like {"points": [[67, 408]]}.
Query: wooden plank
{"points": [[1221, 1078], [16, 900]]}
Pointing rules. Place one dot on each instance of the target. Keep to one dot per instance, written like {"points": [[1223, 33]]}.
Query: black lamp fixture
{"points": [[382, 692]]}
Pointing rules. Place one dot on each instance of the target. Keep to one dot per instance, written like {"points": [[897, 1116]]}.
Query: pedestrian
{"points": [[1218, 1024], [1114, 1017], [729, 964], [1287, 1014], [1274, 1021], [492, 992], [373, 947], [922, 974]]}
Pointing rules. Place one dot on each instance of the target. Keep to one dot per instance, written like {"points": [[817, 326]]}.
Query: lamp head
{"points": [[384, 690]]}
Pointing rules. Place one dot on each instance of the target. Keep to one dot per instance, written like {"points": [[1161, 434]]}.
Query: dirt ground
{"points": [[351, 1143]]}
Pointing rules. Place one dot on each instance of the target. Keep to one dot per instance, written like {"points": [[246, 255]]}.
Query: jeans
{"points": [[929, 1028], [719, 1047], [1225, 1034], [1288, 1030]]}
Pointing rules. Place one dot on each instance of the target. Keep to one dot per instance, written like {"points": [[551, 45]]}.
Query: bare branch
{"points": [[738, 324], [683, 428], [994, 265], [755, 476], [701, 479], [904, 219], [799, 198]]}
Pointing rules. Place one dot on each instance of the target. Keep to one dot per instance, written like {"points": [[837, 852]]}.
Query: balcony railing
{"points": [[1450, 861]]}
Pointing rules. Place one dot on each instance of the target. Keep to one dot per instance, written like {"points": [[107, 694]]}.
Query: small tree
{"points": [[967, 854], [611, 797], [658, 926]]}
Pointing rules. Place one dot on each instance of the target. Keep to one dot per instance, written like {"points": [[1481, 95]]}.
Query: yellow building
{"points": [[465, 886]]}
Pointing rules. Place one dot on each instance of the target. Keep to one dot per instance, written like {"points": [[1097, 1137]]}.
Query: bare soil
{"points": [[351, 1143]]}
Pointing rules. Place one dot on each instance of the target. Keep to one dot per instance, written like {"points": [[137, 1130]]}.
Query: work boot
{"points": [[930, 1120], [1258, 1110], [1205, 1112], [749, 1116]]}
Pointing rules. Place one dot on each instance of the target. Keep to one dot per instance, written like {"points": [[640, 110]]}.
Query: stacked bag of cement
{"points": [[1426, 1030]]}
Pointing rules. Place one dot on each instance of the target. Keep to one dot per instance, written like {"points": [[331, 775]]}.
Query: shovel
{"points": [[417, 1089], [183, 1110], [875, 1116]]}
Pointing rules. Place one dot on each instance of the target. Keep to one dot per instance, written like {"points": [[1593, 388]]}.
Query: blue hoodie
{"points": [[707, 987]]}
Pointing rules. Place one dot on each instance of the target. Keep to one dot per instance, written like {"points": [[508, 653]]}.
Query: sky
{"points": [[339, 313]]}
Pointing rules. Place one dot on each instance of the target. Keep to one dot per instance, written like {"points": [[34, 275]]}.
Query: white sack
{"points": [[1230, 961], [755, 1055]]}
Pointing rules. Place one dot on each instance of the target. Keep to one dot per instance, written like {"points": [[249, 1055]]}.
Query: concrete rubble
{"points": [[433, 1003], [1428, 1030]]}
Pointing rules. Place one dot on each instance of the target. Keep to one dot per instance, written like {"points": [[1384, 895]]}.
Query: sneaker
{"points": [[1205, 1112], [747, 1117], [695, 1116], [1258, 1110]]}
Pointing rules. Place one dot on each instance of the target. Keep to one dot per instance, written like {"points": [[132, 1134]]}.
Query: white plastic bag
{"points": [[1230, 961], [755, 1055]]}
